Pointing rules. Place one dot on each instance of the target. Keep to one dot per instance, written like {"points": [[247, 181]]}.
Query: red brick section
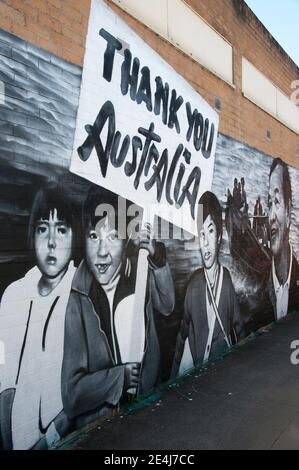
{"points": [[60, 26], [239, 118]]}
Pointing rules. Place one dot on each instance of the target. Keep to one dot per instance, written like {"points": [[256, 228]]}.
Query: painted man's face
{"points": [[208, 243], [103, 252], [53, 245], [278, 212]]}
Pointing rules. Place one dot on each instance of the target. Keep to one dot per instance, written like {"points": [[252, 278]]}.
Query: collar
{"points": [[113, 282], [216, 277], [34, 275], [108, 288], [276, 283], [217, 286], [82, 280], [67, 278]]}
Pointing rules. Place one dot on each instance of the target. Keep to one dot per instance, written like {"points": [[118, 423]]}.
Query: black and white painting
{"points": [[136, 242], [141, 127], [38, 204], [260, 245]]}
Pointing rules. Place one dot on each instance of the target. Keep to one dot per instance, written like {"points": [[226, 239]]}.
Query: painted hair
{"points": [[286, 180], [114, 211], [47, 199], [210, 206]]}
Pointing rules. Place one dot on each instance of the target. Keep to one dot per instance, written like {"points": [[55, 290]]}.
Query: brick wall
{"points": [[239, 118], [60, 26], [41, 54]]}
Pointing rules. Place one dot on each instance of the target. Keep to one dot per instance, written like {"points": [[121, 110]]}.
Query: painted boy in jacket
{"points": [[211, 321], [96, 374]]}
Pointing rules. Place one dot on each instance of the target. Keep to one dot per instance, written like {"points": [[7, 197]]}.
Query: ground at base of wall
{"points": [[247, 400]]}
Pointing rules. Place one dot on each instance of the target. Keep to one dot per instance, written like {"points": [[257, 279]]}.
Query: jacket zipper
{"points": [[109, 349], [104, 334]]}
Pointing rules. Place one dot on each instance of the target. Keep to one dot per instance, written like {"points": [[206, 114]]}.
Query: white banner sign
{"points": [[142, 131]]}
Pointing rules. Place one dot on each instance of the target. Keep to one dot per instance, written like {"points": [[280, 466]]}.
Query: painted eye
{"points": [[41, 229], [62, 230], [93, 235]]}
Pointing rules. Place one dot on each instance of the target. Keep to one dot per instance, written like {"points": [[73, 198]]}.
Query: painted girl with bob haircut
{"points": [[32, 316]]}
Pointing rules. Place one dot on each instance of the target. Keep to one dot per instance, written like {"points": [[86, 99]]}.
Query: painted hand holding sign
{"points": [[84, 317], [155, 139], [152, 143], [93, 305]]}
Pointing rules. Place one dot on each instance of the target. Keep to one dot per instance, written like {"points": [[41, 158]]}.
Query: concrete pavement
{"points": [[249, 400]]}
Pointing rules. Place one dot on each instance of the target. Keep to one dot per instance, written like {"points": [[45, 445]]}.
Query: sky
{"points": [[281, 18]]}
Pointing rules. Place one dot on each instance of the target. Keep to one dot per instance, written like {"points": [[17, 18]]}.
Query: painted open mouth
{"points": [[102, 268], [51, 260], [207, 256]]}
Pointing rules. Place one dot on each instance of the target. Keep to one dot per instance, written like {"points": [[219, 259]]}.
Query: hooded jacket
{"points": [[92, 375]]}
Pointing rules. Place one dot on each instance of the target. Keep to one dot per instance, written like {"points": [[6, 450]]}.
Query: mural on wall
{"points": [[98, 367], [257, 245], [143, 126], [38, 237], [211, 320], [136, 241], [260, 247]]}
